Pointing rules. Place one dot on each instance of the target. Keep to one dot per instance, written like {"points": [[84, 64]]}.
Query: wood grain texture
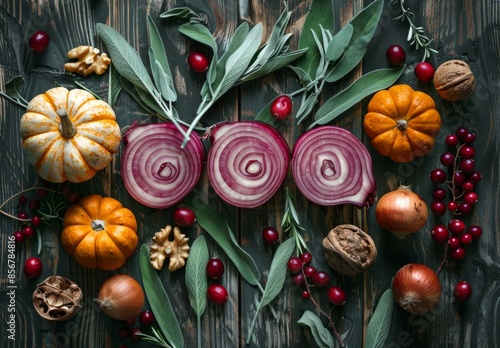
{"points": [[461, 29]]}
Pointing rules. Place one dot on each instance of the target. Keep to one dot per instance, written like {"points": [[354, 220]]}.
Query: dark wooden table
{"points": [[466, 30]]}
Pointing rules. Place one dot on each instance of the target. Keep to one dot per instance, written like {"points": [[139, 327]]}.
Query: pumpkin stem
{"points": [[66, 127], [401, 124], [98, 225]]}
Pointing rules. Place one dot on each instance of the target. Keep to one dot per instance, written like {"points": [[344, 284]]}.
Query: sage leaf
{"points": [[132, 90], [215, 224], [125, 58], [379, 325], [159, 301], [115, 86], [303, 77], [196, 278], [276, 278], [306, 107], [364, 25], [273, 64], [367, 84], [157, 47], [320, 13], [200, 33], [322, 336], [14, 87], [163, 81], [179, 12], [266, 116], [339, 42]]}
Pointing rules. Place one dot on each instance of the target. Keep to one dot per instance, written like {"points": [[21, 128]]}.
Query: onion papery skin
{"points": [[401, 212], [416, 288], [157, 171], [247, 162], [120, 297], [331, 166]]}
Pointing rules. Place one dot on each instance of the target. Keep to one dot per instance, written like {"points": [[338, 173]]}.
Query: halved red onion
{"points": [[331, 166], [156, 170], [247, 162]]}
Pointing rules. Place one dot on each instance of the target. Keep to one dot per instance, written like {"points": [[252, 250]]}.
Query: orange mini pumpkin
{"points": [[69, 135], [99, 232], [402, 123]]}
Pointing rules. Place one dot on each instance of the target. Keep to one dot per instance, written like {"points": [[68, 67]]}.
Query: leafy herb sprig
{"points": [[416, 35], [379, 325], [291, 224]]}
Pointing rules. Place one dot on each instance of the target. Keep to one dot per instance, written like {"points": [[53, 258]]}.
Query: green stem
{"points": [[196, 120], [198, 322], [252, 326], [271, 308], [15, 100]]}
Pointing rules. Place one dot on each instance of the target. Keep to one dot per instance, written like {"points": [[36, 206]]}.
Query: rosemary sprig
{"points": [[156, 339], [291, 223], [416, 35]]}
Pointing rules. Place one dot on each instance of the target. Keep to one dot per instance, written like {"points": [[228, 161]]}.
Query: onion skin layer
{"points": [[247, 162], [331, 167], [156, 170], [416, 288]]}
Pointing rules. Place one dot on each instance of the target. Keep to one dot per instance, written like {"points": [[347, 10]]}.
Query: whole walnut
{"points": [[454, 80], [349, 250]]}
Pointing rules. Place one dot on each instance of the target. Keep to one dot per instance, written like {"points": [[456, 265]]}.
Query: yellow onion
{"points": [[120, 297], [401, 211], [416, 288]]}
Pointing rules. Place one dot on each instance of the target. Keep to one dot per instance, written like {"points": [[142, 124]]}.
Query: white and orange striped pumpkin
{"points": [[69, 134]]}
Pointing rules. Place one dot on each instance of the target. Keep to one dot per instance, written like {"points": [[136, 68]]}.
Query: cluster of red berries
{"points": [[27, 215], [216, 292], [424, 71], [132, 330], [457, 197], [304, 274]]}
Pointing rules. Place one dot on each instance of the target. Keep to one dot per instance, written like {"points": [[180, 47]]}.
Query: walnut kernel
{"points": [[454, 80], [177, 250], [88, 61]]}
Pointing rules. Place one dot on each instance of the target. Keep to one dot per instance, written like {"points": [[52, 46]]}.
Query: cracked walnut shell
{"points": [[349, 250], [454, 80], [57, 298], [177, 250], [89, 61]]}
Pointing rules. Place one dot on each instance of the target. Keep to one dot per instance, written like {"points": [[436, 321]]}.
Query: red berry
{"points": [[33, 267], [34, 204], [447, 159], [396, 55], [439, 194], [39, 41], [451, 140], [457, 254], [309, 271], [321, 279], [305, 294], [23, 215], [19, 237], [184, 217], [458, 179], [28, 231], [462, 291], [36, 220], [134, 333], [281, 107], [42, 193], [469, 138], [198, 62], [452, 206], [130, 321], [467, 151], [438, 208], [146, 318], [298, 279], [215, 268], [440, 234], [468, 186], [457, 227], [123, 333], [306, 257], [217, 294], [23, 200], [73, 197], [474, 177], [424, 71], [336, 295], [438, 176], [475, 232], [294, 265], [465, 239], [461, 132], [453, 242], [270, 235], [467, 165], [471, 197], [465, 208]]}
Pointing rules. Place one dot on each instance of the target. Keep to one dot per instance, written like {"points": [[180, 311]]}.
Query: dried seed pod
{"points": [[57, 298], [349, 250], [454, 80]]}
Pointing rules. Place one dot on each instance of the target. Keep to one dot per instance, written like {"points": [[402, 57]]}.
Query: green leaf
{"points": [[115, 86], [306, 107], [14, 87], [266, 116], [179, 12], [322, 335], [303, 77], [196, 278], [276, 279], [156, 45], [380, 323], [163, 81], [367, 84], [273, 64], [125, 58], [320, 13], [159, 301], [364, 25], [200, 33], [215, 224], [339, 42]]}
